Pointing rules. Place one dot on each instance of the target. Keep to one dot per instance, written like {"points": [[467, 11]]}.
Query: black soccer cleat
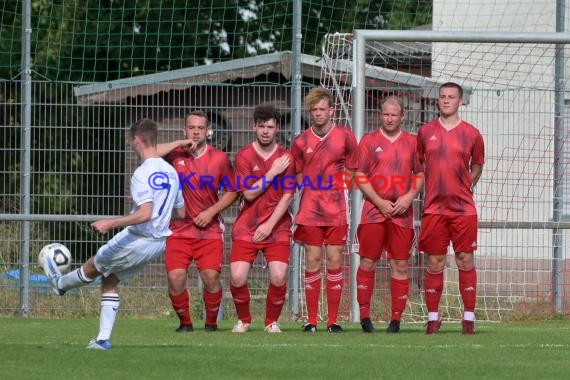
{"points": [[309, 328], [335, 328], [185, 328], [210, 328], [393, 327], [367, 326]]}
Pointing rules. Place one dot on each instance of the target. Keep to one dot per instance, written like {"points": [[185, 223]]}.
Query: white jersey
{"points": [[155, 181]]}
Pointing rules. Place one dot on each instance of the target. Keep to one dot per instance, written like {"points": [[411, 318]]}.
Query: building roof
{"points": [[117, 91]]}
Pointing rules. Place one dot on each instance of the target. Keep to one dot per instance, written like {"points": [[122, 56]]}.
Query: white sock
{"points": [[74, 279], [109, 307], [469, 316], [433, 316]]}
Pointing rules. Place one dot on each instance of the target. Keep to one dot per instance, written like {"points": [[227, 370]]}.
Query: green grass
{"points": [[150, 349]]}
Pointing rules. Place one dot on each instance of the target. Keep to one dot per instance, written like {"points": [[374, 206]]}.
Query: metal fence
{"points": [[80, 165]]}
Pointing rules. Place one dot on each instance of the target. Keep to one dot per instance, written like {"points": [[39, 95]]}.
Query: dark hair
{"points": [[147, 130], [198, 113], [453, 85], [266, 112]]}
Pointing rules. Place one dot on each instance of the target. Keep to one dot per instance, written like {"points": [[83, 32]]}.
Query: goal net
{"points": [[515, 94]]}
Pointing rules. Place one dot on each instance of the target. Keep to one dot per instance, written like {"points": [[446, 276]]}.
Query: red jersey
{"points": [[390, 166], [251, 166], [322, 160], [200, 178], [447, 156]]}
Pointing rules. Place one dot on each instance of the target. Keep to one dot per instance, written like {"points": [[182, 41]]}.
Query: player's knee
{"points": [[366, 264], [313, 264], [176, 282], [436, 267], [238, 280], [400, 267], [334, 263], [464, 261], [211, 280], [278, 280]]}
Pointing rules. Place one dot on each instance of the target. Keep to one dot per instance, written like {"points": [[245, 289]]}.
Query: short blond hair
{"points": [[394, 100], [317, 94]]}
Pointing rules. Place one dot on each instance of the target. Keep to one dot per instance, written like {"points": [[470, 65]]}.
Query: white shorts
{"points": [[126, 254]]}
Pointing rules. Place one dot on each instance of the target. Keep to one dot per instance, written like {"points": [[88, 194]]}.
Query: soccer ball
{"points": [[59, 254]]}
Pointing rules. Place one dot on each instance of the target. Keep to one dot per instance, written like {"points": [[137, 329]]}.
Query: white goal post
{"points": [[518, 98]]}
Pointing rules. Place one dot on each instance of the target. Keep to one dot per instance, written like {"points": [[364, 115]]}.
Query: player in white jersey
{"points": [[155, 190]]}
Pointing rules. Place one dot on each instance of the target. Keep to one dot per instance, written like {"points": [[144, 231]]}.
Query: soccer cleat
{"points": [[393, 327], [335, 328], [241, 327], [53, 274], [273, 328], [433, 327], [210, 328], [185, 328], [468, 327], [95, 344], [367, 326], [309, 328]]}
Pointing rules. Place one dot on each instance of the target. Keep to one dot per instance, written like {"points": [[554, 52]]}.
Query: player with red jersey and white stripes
{"points": [[452, 152], [394, 177], [198, 237], [265, 175], [323, 153]]}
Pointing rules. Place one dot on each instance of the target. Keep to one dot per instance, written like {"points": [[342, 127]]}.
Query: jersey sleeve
{"points": [[289, 175], [244, 178], [179, 200], [229, 173], [478, 155], [417, 166], [297, 154], [351, 151], [141, 191], [363, 155], [420, 147]]}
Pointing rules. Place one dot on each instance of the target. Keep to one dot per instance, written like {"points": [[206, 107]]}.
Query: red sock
{"points": [[312, 293], [399, 292], [468, 288], [181, 305], [242, 298], [212, 303], [334, 292], [274, 303], [364, 288], [433, 289]]}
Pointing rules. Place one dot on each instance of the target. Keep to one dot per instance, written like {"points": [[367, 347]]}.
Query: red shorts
{"points": [[438, 230], [247, 251], [207, 253], [319, 235], [374, 238]]}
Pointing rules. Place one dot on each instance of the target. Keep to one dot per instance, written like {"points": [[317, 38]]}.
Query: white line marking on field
{"points": [[286, 345]]}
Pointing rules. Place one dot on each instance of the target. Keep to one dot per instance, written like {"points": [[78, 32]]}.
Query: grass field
{"points": [[150, 349]]}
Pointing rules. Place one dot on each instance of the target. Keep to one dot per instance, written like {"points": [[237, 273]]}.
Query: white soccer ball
{"points": [[59, 254]]}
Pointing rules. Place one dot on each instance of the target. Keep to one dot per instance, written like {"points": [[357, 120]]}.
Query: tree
{"points": [[92, 40], [102, 40]]}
